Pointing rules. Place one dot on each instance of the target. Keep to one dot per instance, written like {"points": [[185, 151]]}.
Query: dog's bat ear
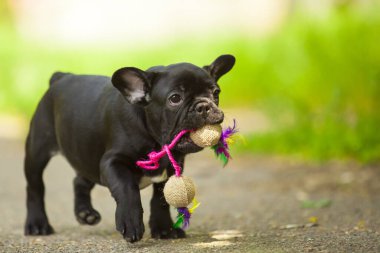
{"points": [[134, 84], [220, 66]]}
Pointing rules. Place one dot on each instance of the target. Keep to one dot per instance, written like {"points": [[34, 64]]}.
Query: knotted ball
{"points": [[206, 136], [179, 191]]}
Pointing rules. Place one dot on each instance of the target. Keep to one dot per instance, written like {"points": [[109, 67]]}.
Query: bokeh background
{"points": [[306, 82]]}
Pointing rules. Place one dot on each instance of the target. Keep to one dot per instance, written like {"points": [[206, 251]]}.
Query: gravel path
{"points": [[253, 205]]}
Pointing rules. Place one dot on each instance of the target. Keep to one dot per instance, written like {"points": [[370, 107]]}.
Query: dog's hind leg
{"points": [[84, 212], [40, 146]]}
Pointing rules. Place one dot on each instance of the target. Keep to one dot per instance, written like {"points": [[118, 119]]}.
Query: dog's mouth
{"points": [[186, 145]]}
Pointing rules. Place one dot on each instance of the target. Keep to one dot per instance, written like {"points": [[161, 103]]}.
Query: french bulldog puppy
{"points": [[103, 125]]}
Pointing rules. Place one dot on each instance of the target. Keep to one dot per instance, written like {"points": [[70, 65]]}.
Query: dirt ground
{"points": [[256, 204]]}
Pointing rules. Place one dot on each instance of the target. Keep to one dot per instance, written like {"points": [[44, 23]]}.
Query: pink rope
{"points": [[154, 157]]}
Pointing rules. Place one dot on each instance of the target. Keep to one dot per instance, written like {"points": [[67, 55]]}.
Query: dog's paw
{"points": [[130, 226], [38, 227], [130, 232], [161, 226], [170, 233], [88, 216]]}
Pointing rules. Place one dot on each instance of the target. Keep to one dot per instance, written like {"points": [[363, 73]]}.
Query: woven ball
{"points": [[206, 136], [179, 191]]}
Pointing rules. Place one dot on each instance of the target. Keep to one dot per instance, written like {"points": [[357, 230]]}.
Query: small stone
{"points": [[310, 225]]}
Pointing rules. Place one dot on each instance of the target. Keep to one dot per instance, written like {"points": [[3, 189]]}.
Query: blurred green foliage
{"points": [[321, 82], [317, 80]]}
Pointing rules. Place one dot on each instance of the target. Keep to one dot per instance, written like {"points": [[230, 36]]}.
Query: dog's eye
{"points": [[216, 93], [175, 99]]}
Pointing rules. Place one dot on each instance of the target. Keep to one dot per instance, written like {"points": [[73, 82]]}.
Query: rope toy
{"points": [[206, 136], [179, 191]]}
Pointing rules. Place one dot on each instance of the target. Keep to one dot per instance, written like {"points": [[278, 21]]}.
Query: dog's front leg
{"points": [[160, 222], [125, 190]]}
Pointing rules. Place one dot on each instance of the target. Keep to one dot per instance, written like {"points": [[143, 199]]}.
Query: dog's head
{"points": [[175, 97]]}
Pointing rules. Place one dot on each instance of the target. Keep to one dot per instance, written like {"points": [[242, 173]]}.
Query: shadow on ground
{"points": [[256, 204]]}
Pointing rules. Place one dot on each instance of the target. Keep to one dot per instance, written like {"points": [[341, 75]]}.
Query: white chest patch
{"points": [[146, 181]]}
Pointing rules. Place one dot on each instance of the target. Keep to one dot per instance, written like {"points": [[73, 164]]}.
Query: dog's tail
{"points": [[56, 76]]}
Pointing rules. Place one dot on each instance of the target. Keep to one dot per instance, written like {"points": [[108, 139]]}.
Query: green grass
{"points": [[317, 80], [327, 84]]}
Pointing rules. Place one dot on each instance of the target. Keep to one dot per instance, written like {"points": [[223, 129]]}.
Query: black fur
{"points": [[104, 125]]}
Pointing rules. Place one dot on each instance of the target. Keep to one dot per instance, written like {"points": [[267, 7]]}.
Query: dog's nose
{"points": [[203, 108]]}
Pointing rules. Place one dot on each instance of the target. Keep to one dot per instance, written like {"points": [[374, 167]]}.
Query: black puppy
{"points": [[103, 131]]}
